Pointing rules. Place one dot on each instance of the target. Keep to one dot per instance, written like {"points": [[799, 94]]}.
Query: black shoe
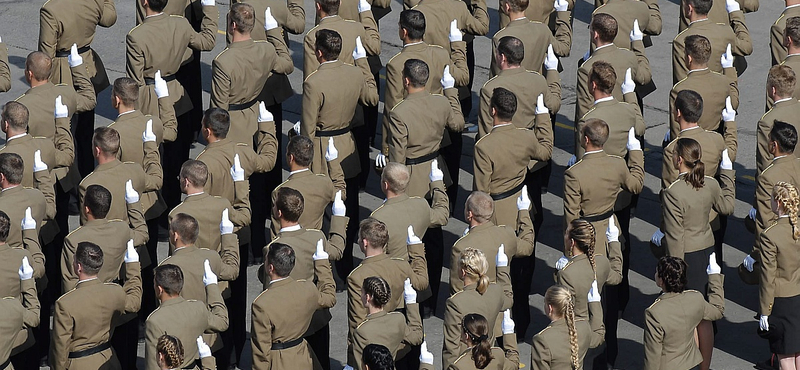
{"points": [[768, 364], [427, 312]]}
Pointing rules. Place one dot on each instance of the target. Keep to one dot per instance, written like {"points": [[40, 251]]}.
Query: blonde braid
{"points": [[573, 333], [474, 264], [172, 349], [560, 298], [788, 196], [584, 235]]}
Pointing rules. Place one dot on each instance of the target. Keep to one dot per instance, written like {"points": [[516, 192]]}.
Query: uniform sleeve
{"points": [[482, 167], [48, 32], [45, 182], [134, 60], [563, 35], [763, 206], [725, 202], [511, 359], [283, 62], [543, 134], [30, 239], [452, 333], [85, 95], [729, 134], [414, 334], [769, 266], [476, 23], [654, 24], [109, 16], [133, 287], [5, 72], [674, 126], [642, 75], [596, 324], [63, 326], [440, 204], [525, 234], [778, 49], [229, 257], [137, 223], [356, 313], [733, 85], [392, 95], [153, 332], [310, 62], [261, 339], [668, 171], [68, 277], [220, 86], [584, 98], [552, 100], [208, 363], [614, 263], [418, 273], [504, 281], [241, 211], [326, 285], [372, 36], [485, 120], [166, 113], [207, 37], [679, 67], [672, 219], [634, 174], [653, 341], [744, 45], [398, 138], [715, 307], [296, 18], [217, 314], [369, 90], [455, 118], [336, 237], [63, 142], [262, 160], [30, 301], [312, 102], [151, 164], [458, 63], [572, 196], [540, 354], [359, 342]]}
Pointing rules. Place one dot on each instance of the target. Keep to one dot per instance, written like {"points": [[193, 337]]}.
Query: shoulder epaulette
{"points": [[220, 53], [673, 183], [176, 16], [654, 303], [770, 226], [490, 80], [354, 270], [679, 82], [134, 27], [462, 356], [544, 330], [310, 74], [73, 231]]}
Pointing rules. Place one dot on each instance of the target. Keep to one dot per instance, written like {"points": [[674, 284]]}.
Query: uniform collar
{"points": [[789, 99], [697, 21], [196, 196], [603, 100], [16, 137], [603, 47], [503, 127], [330, 64], [280, 282], [689, 130], [298, 171], [592, 154], [330, 18], [701, 71], [217, 143], [186, 249], [399, 198], [45, 86], [109, 165], [376, 258], [377, 315], [172, 301], [415, 45], [512, 71], [290, 229], [241, 44], [417, 95], [483, 226], [88, 282], [11, 190]]}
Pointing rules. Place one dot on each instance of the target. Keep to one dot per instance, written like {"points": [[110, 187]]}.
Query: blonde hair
{"points": [[583, 233], [172, 350], [790, 201], [474, 264], [560, 299]]}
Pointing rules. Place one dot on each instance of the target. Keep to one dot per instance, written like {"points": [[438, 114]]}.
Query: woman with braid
{"points": [[779, 292], [476, 334], [170, 353]]}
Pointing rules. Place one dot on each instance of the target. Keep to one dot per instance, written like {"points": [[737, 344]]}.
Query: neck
{"points": [[193, 190], [776, 97], [35, 82], [554, 317], [296, 167], [473, 223], [82, 276], [103, 159], [122, 108], [469, 281], [498, 122], [166, 297], [697, 17], [792, 2], [600, 95], [148, 12], [372, 309], [781, 154], [7, 185], [693, 66], [793, 49], [390, 194], [592, 148], [285, 223], [515, 15], [90, 217], [599, 43], [413, 89], [180, 244], [684, 168], [212, 139], [506, 66], [407, 41], [273, 277], [12, 133], [371, 252], [684, 125], [239, 36]]}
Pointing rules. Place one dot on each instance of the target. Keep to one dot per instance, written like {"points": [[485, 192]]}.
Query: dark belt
{"points": [[286, 345], [506, 194], [243, 106], [90, 351], [65, 53], [600, 217], [152, 81], [423, 159], [332, 133]]}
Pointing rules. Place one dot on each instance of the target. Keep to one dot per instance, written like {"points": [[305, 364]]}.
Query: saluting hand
{"points": [[203, 348], [320, 253], [380, 160], [131, 195], [561, 5], [763, 323], [409, 294], [726, 163], [633, 142], [502, 259], [269, 21], [38, 165], [237, 172], [727, 58], [425, 356], [74, 58], [412, 238], [540, 107], [562, 262], [636, 33], [25, 270], [225, 226], [160, 86], [732, 6], [209, 277], [359, 51], [455, 33], [131, 255], [447, 81], [728, 114], [752, 214], [507, 326], [263, 114], [61, 110], [713, 267], [551, 60], [436, 173], [612, 231], [332, 153], [572, 160], [148, 135], [208, 3], [363, 6], [594, 292], [523, 202], [657, 237], [28, 222], [628, 85], [338, 208], [748, 263]]}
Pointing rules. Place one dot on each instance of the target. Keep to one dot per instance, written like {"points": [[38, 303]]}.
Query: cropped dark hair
{"points": [[12, 167], [690, 104], [785, 135], [186, 227], [90, 257], [329, 43], [126, 89], [377, 357], [331, 7], [701, 7], [604, 76], [606, 27], [107, 139], [596, 130], [282, 258], [170, 278], [413, 21], [672, 271], [243, 15], [512, 48], [416, 71], [218, 121], [302, 148], [504, 103], [98, 200], [793, 30], [5, 225], [16, 114], [157, 5], [290, 202], [698, 47]]}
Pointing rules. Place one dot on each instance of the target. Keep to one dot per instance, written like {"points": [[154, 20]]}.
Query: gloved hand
{"points": [[727, 58], [131, 255], [263, 114], [732, 6], [763, 323], [540, 108], [28, 222], [748, 263], [338, 208], [380, 160], [409, 294], [636, 33], [160, 86], [455, 33], [148, 135], [332, 153], [523, 201], [713, 267], [628, 85], [74, 58], [551, 60], [38, 165], [320, 254], [225, 225], [359, 52], [612, 231], [25, 270], [562, 262], [561, 5], [657, 236], [507, 326], [296, 127], [501, 260], [728, 114], [447, 81], [726, 163], [412, 237], [209, 277], [237, 172], [572, 160], [363, 6], [633, 142], [436, 173], [208, 3], [425, 356], [61, 110], [594, 292], [203, 348], [131, 195], [752, 214]]}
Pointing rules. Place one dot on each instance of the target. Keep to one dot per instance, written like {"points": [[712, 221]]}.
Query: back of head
{"points": [[699, 48], [604, 76], [39, 64], [792, 30], [157, 5], [413, 21], [672, 272], [302, 149], [516, 6], [562, 302], [12, 167], [195, 171], [90, 257], [481, 205], [290, 203], [785, 135], [170, 278], [690, 104], [16, 114], [396, 176], [172, 349], [690, 151], [476, 327], [186, 227], [606, 27], [107, 139], [786, 195], [5, 226], [379, 289], [98, 200], [417, 72], [330, 7], [783, 79], [701, 7], [218, 121], [473, 263], [504, 103], [512, 48], [373, 231], [596, 130], [583, 233], [329, 43], [281, 257], [127, 90], [377, 357], [243, 15]]}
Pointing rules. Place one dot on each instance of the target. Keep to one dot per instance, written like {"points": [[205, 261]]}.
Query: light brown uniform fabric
{"points": [[10, 261], [113, 176], [578, 276], [780, 273], [720, 35], [5, 73], [776, 32], [17, 315], [785, 169], [26, 146], [506, 358], [718, 12], [14, 202], [535, 37], [620, 118], [393, 330], [551, 350], [714, 88], [191, 259], [647, 13], [786, 111], [712, 144], [207, 210], [349, 30], [318, 192]]}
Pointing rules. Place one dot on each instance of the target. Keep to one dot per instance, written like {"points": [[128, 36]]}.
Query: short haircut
{"points": [[413, 21], [604, 75], [12, 167], [302, 149], [396, 175], [243, 15], [377, 357], [157, 5], [195, 171], [290, 202], [329, 43], [793, 30], [596, 130], [39, 64], [16, 114], [374, 231], [504, 103], [281, 257], [186, 227], [512, 48], [481, 205], [170, 278], [690, 104], [127, 90], [783, 79], [218, 121], [785, 135], [330, 7], [90, 257], [416, 71], [516, 5], [107, 139], [605, 25], [98, 200], [698, 47], [5, 226], [701, 7]]}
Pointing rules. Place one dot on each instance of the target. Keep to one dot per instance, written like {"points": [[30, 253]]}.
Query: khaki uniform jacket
{"points": [[712, 143], [160, 43], [786, 111], [394, 330], [714, 88], [84, 318], [720, 35], [793, 61], [670, 324], [186, 320], [282, 313], [776, 32], [439, 13], [785, 169], [620, 118], [26, 146], [9, 277], [685, 212], [113, 176], [506, 358], [538, 11], [780, 273], [625, 12], [330, 97], [238, 75], [402, 211], [551, 349], [207, 210], [349, 30], [14, 202], [5, 72], [417, 126], [535, 37], [718, 13], [578, 276], [318, 193], [63, 23], [497, 298], [18, 315], [191, 258]]}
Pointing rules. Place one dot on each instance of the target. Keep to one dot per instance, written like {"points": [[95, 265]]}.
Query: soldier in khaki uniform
{"points": [[24, 206], [19, 315], [719, 11], [5, 73], [277, 338], [777, 35], [12, 256], [792, 60], [781, 84], [646, 14]]}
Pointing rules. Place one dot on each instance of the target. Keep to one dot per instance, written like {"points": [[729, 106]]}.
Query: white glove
{"points": [[209, 277], [203, 348], [148, 135], [263, 114], [763, 323], [131, 255], [752, 214], [363, 6], [61, 110], [561, 5], [225, 225], [667, 137], [636, 33], [160, 85], [633, 142], [523, 201], [594, 292], [436, 173], [237, 172], [25, 270], [732, 6], [409, 294], [551, 60], [425, 356], [628, 85], [320, 254], [269, 21], [74, 58], [572, 160], [501, 260], [562, 262], [38, 165], [412, 237], [612, 231], [455, 33], [713, 267], [359, 52], [726, 163], [28, 222], [296, 127], [508, 324], [657, 236], [447, 81], [332, 153], [727, 58], [728, 114], [338, 208], [380, 160], [208, 3], [131, 195], [748, 263], [540, 108]]}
